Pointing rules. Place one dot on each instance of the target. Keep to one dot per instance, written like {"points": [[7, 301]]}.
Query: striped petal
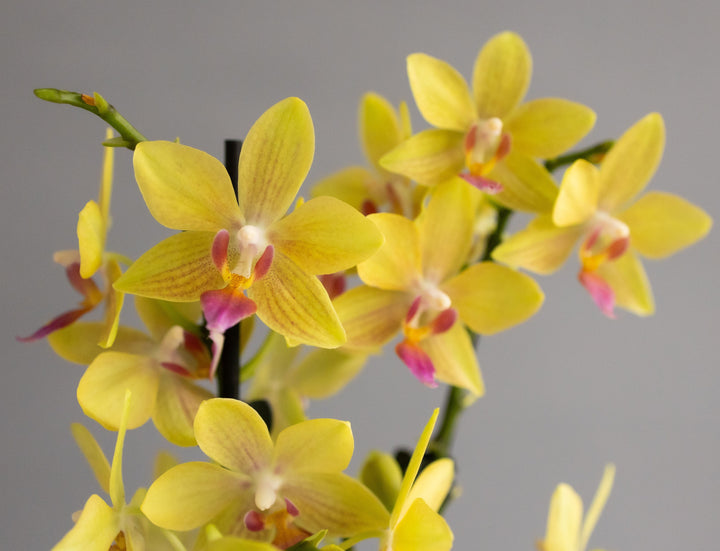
{"points": [[501, 75], [180, 268], [544, 128], [185, 188], [325, 236], [441, 93], [274, 160]]}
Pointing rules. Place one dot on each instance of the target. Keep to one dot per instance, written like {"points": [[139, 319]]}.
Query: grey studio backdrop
{"points": [[566, 392]]}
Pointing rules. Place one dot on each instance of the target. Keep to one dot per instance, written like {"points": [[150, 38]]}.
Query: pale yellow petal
{"points": [[544, 128], [95, 530], [441, 93], [454, 359], [185, 188], [379, 125], [93, 454], [564, 518], [433, 483], [91, 239], [661, 224], [317, 445], [632, 161], [501, 75], [77, 343], [526, 184], [274, 160], [323, 373], [178, 400], [428, 157], [628, 280], [598, 503], [578, 197], [352, 185], [397, 263], [160, 315], [421, 529]]}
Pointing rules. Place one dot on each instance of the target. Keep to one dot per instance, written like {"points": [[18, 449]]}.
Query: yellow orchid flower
{"points": [[372, 190], [488, 137], [599, 208], [91, 258], [279, 492], [120, 527], [231, 247], [566, 529], [415, 283]]}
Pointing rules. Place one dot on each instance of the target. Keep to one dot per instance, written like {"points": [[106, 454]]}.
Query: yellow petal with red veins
{"points": [[526, 185], [317, 445], [501, 75], [662, 223], [91, 239], [421, 529], [379, 125], [180, 268], [295, 304], [352, 185], [397, 264], [325, 236], [454, 359], [370, 316], [178, 400], [429, 157], [192, 494], [490, 298], [274, 160], [95, 530], [185, 188], [564, 518], [232, 433], [547, 127], [441, 93], [628, 280], [446, 228], [578, 197], [101, 391], [632, 161], [541, 248]]}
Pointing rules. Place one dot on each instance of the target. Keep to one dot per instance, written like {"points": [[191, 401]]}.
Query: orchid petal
{"points": [[578, 197], [433, 484], [91, 239], [632, 161], [180, 268], [60, 322], [441, 93], [185, 188], [116, 485], [662, 223], [192, 494], [274, 160], [323, 373], [428, 157], [370, 316], [95, 530], [114, 301], [542, 247], [101, 391], [77, 343], [600, 292], [421, 529], [334, 501], [93, 454], [325, 236], [598, 503], [564, 518], [379, 125], [544, 128], [318, 445], [418, 361], [526, 185], [501, 75], [226, 307], [232, 433], [397, 264], [178, 400], [351, 185], [295, 304], [160, 315], [626, 276], [454, 359]]}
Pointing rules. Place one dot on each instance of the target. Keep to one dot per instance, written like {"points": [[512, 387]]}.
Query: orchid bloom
{"points": [[278, 490], [370, 190], [488, 137], [598, 207], [232, 247], [415, 283], [91, 258], [566, 529], [121, 527]]}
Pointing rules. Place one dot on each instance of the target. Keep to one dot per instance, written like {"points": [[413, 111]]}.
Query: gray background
{"points": [[567, 391]]}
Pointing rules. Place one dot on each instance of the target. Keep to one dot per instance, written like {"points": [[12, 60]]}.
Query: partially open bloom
{"points": [[566, 528], [232, 247], [599, 208], [257, 486], [488, 137]]}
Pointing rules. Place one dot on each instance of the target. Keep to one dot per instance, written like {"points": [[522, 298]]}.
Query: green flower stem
{"points": [[129, 136], [594, 154], [228, 372]]}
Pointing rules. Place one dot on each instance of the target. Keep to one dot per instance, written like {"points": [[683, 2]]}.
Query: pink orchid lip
{"points": [[483, 184], [600, 291], [417, 360]]}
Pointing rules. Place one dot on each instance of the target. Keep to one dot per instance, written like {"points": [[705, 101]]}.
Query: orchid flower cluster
{"points": [[412, 249]]}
